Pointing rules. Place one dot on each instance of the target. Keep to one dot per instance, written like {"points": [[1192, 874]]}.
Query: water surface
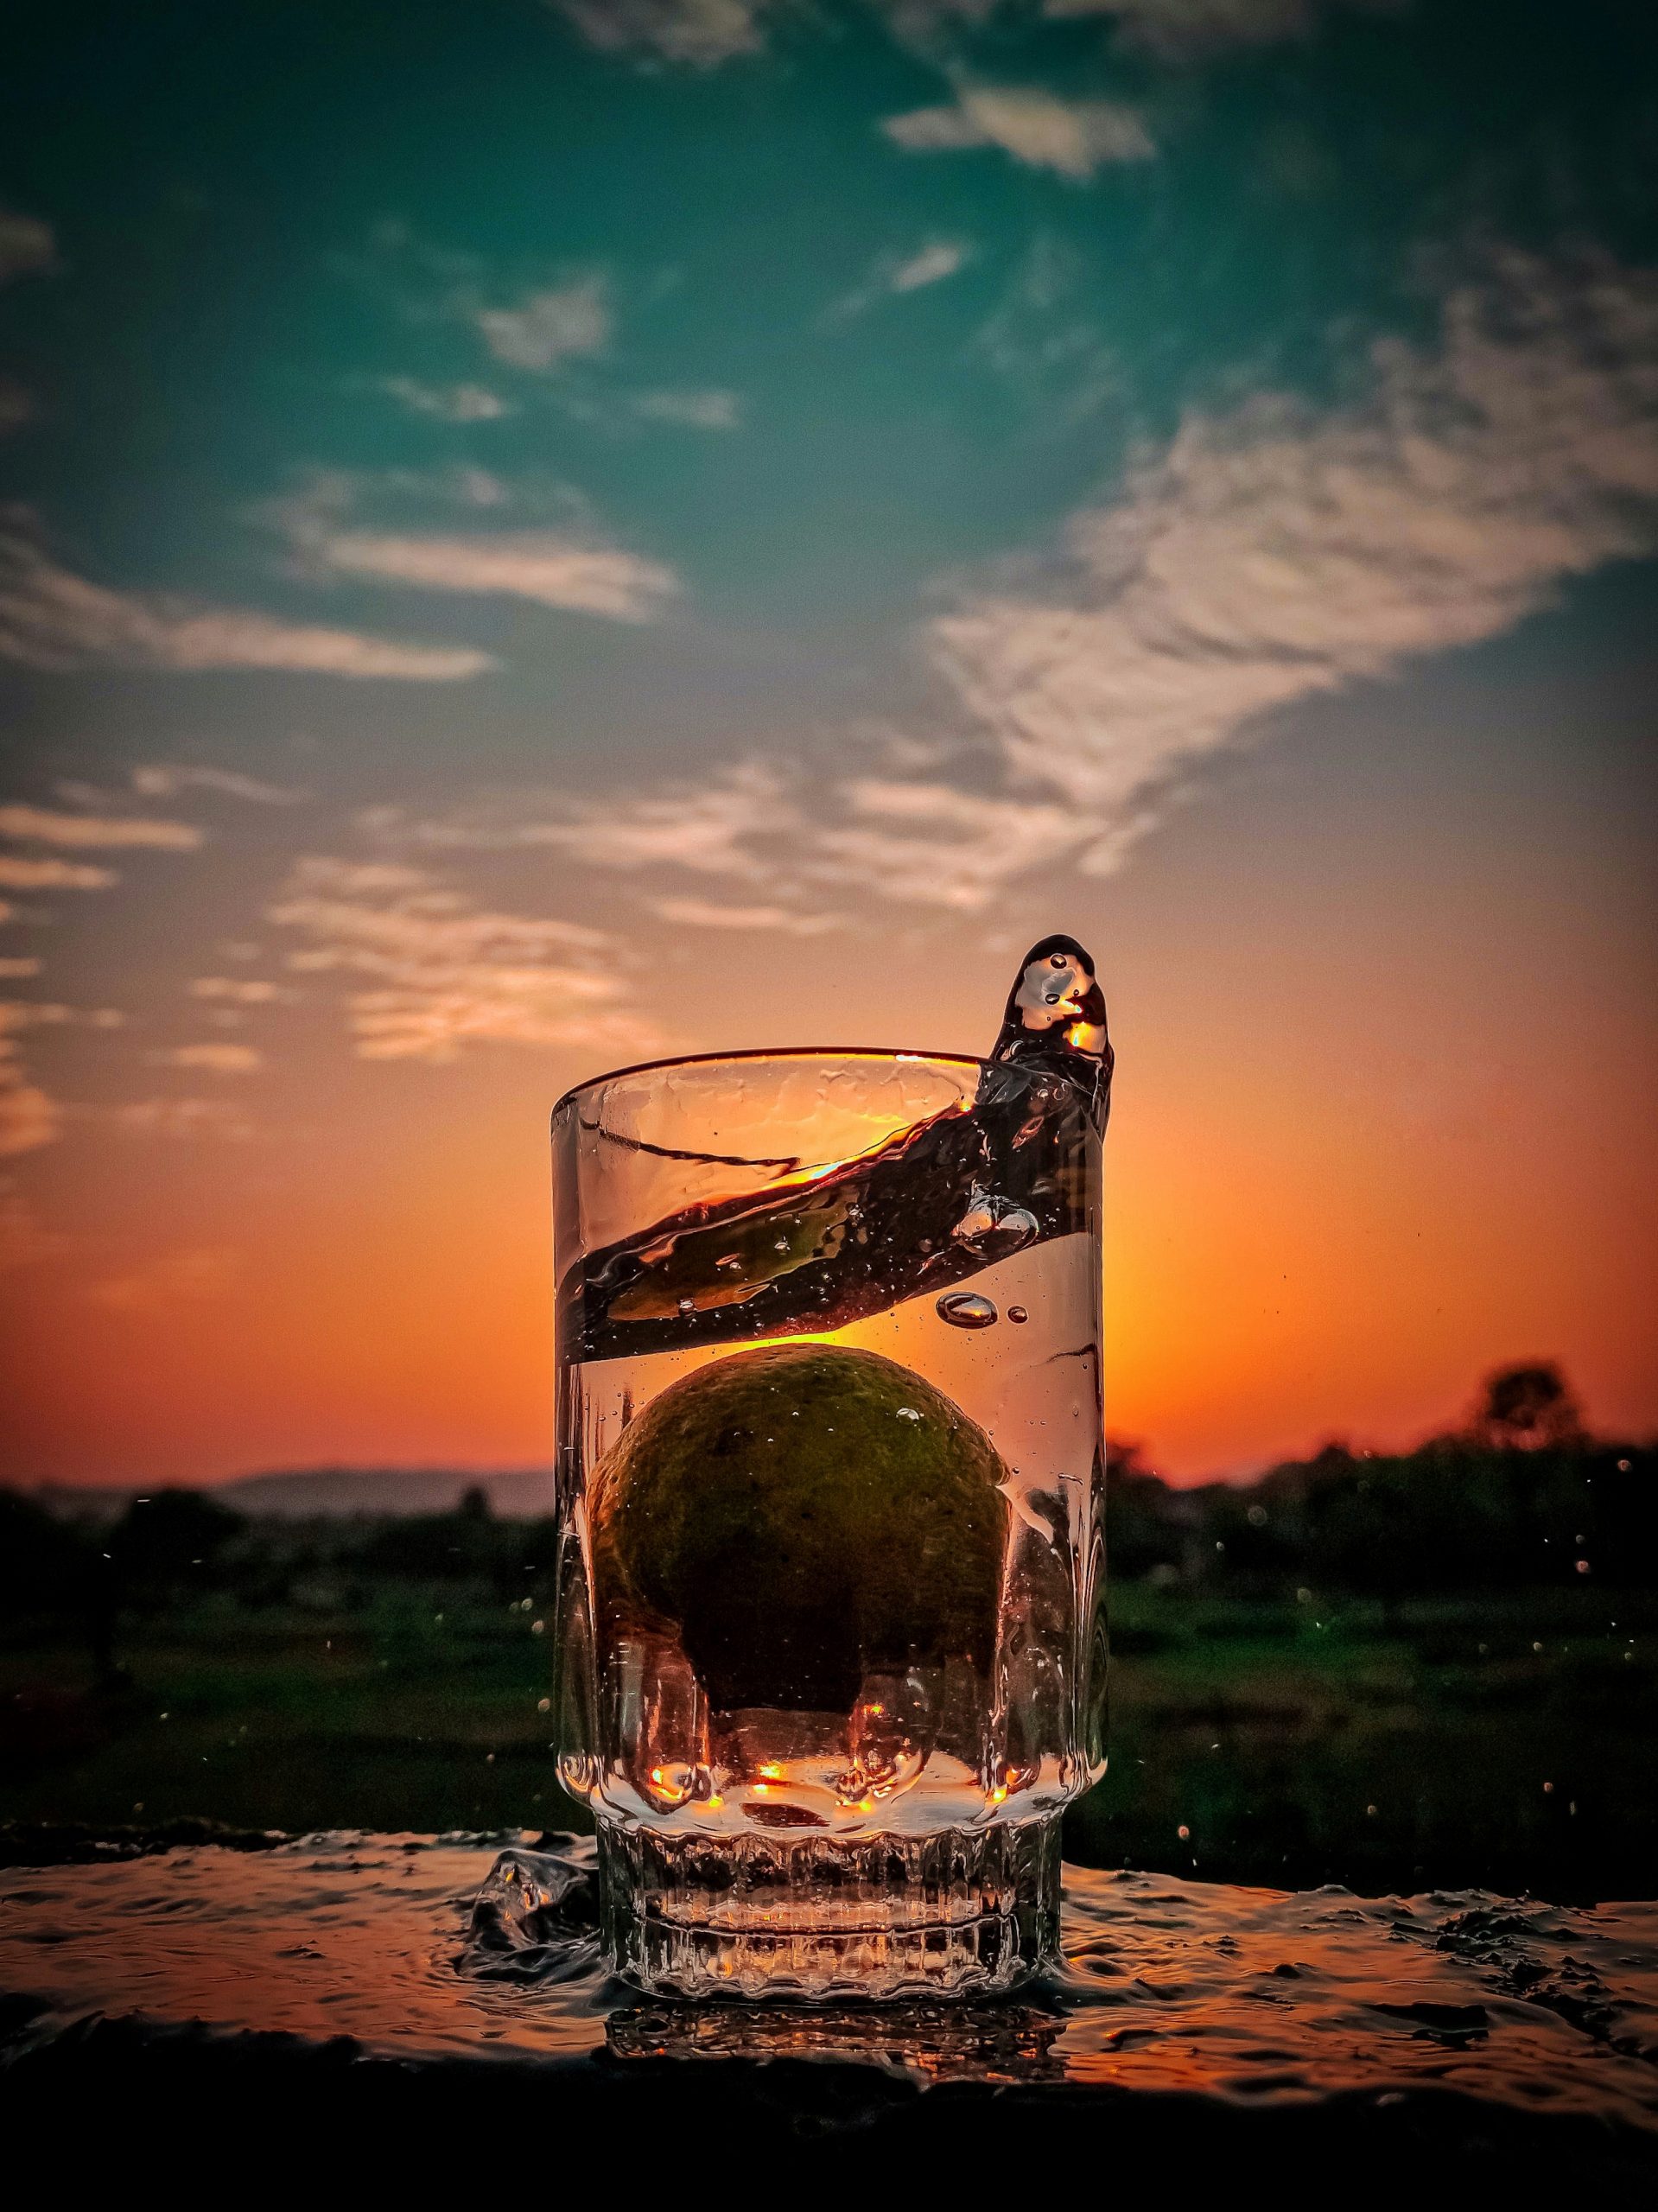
{"points": [[1240, 1997]]}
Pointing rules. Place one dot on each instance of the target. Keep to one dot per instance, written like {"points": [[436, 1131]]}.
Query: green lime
{"points": [[801, 1513]]}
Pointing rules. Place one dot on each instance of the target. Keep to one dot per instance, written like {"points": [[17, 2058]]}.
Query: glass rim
{"points": [[766, 1052]]}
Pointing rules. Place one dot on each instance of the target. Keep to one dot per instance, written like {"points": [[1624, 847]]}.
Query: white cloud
{"points": [[552, 569], [705, 915], [36, 825], [691, 410], [53, 619], [180, 1119], [444, 973], [932, 844], [163, 779], [17, 874], [237, 990], [931, 265], [448, 402], [699, 32], [548, 328], [216, 1060], [895, 273], [1073, 137], [1276, 553], [29, 1116], [17, 1014], [707, 827], [1266, 557], [27, 245]]}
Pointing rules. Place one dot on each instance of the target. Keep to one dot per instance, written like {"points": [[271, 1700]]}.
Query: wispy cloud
{"points": [[19, 874], [691, 410], [51, 619], [181, 1120], [548, 328], [1276, 553], [31, 1116], [711, 827], [699, 32], [1073, 137], [189, 1277], [708, 914], [37, 825], [237, 990], [895, 273], [12, 970], [541, 565], [27, 245], [934, 263], [932, 844], [1265, 558], [444, 973], [216, 1060], [448, 402], [573, 569], [166, 780]]}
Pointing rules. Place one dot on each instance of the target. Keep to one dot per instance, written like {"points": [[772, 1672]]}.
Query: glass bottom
{"points": [[968, 1912]]}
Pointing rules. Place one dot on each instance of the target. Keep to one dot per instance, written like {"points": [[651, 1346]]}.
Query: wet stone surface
{"points": [[437, 1951]]}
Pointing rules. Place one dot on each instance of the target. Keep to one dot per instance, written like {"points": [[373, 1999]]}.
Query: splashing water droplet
{"points": [[965, 1309], [994, 1227], [1017, 1313]]}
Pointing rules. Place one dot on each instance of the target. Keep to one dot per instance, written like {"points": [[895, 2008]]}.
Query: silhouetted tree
{"points": [[1526, 1408], [169, 1542]]}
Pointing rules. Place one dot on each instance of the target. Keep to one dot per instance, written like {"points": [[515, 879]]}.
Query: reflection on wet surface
{"points": [[422, 1949]]}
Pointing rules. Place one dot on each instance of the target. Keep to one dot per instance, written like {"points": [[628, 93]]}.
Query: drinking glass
{"points": [[830, 1637]]}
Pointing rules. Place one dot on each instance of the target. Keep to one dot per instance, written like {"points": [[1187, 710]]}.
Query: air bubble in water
{"points": [[1017, 1313], [995, 1227], [965, 1309]]}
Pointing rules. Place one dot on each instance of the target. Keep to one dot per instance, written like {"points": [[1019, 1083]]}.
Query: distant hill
{"points": [[520, 1493], [308, 1492]]}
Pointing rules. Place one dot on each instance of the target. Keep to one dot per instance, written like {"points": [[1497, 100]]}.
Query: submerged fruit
{"points": [[800, 1515]]}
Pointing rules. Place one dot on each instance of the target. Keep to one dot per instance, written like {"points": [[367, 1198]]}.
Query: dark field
{"points": [[1493, 1738], [1437, 1670]]}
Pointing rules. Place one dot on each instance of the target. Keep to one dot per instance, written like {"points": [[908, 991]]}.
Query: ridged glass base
{"points": [[968, 1912]]}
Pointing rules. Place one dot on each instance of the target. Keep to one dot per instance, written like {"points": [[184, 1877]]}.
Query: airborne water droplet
{"points": [[965, 1309]]}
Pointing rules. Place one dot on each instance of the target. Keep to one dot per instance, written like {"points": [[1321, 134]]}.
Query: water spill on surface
{"points": [[422, 1949]]}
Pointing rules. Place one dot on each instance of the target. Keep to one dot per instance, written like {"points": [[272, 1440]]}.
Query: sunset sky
{"points": [[537, 535]]}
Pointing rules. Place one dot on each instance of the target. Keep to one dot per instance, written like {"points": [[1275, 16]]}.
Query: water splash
{"points": [[423, 1950], [928, 1206]]}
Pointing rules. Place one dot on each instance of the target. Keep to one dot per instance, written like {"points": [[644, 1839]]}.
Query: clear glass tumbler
{"points": [[830, 1640]]}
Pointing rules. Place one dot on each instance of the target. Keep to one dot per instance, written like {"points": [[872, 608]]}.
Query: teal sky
{"points": [[533, 535]]}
